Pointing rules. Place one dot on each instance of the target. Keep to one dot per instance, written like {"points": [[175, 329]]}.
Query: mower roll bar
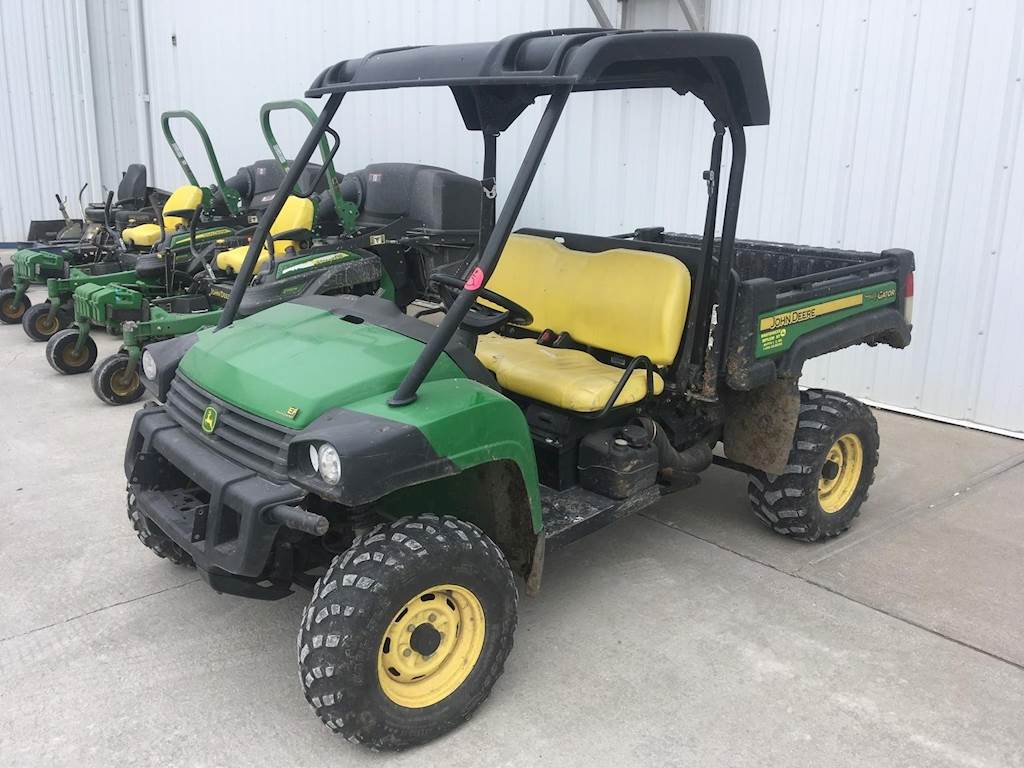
{"points": [[231, 198], [347, 212]]}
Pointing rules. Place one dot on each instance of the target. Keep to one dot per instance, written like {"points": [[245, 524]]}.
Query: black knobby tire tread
{"points": [[6, 276], [101, 384], [788, 503], [28, 321], [155, 539], [352, 596]]}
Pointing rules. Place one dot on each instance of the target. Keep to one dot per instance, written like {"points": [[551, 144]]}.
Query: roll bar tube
{"points": [[406, 392], [714, 362], [347, 212], [259, 236], [231, 198]]}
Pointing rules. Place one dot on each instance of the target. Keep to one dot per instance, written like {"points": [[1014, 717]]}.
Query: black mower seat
{"points": [[186, 198], [622, 301]]}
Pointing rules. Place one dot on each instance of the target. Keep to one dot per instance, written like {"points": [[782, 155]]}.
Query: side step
{"points": [[573, 513]]}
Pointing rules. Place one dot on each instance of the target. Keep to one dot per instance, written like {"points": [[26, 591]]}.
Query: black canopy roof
{"points": [[494, 82]]}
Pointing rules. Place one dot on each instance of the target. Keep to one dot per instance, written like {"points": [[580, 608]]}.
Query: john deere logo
{"points": [[209, 420]]}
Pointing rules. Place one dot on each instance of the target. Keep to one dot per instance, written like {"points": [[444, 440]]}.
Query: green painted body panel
{"points": [[298, 357], [304, 263], [295, 356], [28, 261], [778, 329], [60, 289], [163, 324], [468, 423]]}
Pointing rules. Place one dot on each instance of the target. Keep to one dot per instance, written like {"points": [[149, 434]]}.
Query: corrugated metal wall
{"points": [[893, 124], [47, 135]]}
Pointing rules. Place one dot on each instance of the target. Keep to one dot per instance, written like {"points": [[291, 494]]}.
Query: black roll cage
{"points": [[494, 82]]}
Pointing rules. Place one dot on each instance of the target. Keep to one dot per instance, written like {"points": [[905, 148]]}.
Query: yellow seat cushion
{"points": [[565, 378], [186, 198], [297, 213], [622, 300], [141, 234]]}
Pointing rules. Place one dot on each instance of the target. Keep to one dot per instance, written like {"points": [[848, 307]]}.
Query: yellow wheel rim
{"points": [[13, 310], [431, 646], [840, 473], [123, 385], [47, 325], [70, 358]]}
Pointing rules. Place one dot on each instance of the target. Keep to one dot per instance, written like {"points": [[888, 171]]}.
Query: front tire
{"points": [[61, 354], [155, 539], [829, 471], [11, 311], [407, 632], [114, 385], [39, 325]]}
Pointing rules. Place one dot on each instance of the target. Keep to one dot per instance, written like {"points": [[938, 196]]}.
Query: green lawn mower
{"points": [[35, 263], [138, 252], [390, 232], [407, 473]]}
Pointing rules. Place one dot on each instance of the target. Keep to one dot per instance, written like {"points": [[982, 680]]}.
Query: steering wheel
{"points": [[481, 318]]}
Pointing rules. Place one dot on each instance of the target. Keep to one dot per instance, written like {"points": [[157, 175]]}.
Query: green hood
{"points": [[292, 362]]}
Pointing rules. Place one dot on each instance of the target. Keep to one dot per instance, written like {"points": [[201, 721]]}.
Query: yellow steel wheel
{"points": [[122, 385], [431, 646], [841, 473], [73, 359], [47, 325]]}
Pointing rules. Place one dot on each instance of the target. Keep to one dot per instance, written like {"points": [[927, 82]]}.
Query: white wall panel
{"points": [[45, 134], [897, 124]]}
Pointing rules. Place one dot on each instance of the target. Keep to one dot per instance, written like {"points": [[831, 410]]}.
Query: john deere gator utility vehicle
{"points": [[139, 250], [407, 472], [381, 229], [35, 262]]}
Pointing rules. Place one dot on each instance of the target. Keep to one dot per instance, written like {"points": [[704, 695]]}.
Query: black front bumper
{"points": [[219, 523]]}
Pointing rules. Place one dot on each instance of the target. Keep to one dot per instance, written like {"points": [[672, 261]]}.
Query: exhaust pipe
{"points": [[691, 461]]}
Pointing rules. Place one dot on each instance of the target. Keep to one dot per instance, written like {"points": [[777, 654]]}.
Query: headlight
{"points": [[328, 463], [314, 457], [148, 365]]}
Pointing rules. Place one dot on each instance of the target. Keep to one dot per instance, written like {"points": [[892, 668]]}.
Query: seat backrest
{"points": [[621, 300], [186, 198], [296, 213]]}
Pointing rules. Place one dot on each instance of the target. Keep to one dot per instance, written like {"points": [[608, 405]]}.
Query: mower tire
{"points": [[155, 539], [407, 632], [829, 471], [61, 355], [113, 384], [39, 326], [11, 311]]}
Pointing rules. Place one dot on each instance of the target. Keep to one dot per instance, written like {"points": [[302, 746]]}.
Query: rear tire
{"points": [[12, 311], [407, 632], [61, 355], [6, 277], [39, 326], [829, 471], [112, 386], [155, 539]]}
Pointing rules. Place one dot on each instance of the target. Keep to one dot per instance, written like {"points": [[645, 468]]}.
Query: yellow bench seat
{"points": [[565, 378]]}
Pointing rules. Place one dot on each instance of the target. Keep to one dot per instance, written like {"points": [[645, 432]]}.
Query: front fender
{"points": [[452, 426]]}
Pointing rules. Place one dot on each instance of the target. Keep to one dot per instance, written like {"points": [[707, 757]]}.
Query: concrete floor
{"points": [[687, 636]]}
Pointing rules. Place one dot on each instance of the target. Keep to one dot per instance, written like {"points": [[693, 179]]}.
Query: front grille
{"points": [[248, 440]]}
